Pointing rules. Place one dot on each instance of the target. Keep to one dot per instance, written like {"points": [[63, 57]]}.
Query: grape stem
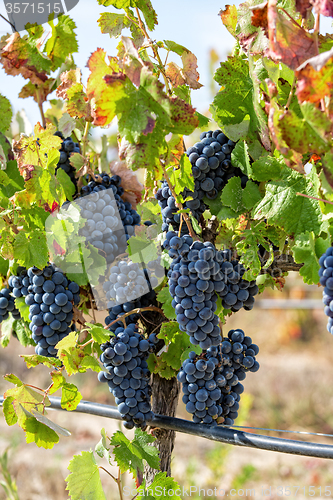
{"points": [[291, 93], [156, 54], [179, 205], [7, 21], [85, 138], [136, 311], [314, 198], [40, 105]]}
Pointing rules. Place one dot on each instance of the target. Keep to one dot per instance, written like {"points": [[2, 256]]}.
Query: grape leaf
{"points": [[31, 249], [102, 448], [98, 332], [281, 205], [182, 177], [130, 455], [62, 42], [307, 249], [148, 12], [5, 113], [177, 344], [70, 396], [22, 307], [113, 24], [165, 298], [33, 360], [23, 333], [267, 168], [84, 482], [6, 330], [8, 411], [161, 483]]}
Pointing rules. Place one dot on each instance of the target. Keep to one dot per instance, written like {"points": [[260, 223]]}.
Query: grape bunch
{"points": [[127, 375], [236, 292], [326, 279], [168, 206], [193, 286], [127, 282], [129, 217], [211, 381], [67, 148], [117, 311], [7, 305], [50, 297], [211, 168]]}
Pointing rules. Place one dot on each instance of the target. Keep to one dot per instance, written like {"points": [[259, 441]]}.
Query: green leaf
{"points": [[182, 177], [23, 333], [70, 397], [23, 308], [165, 298], [281, 205], [91, 363], [5, 113], [62, 42], [11, 180], [307, 250], [6, 330], [39, 433], [148, 12], [102, 448], [203, 120], [98, 332], [31, 249], [66, 183], [33, 360], [118, 4], [232, 194], [113, 23], [251, 195], [84, 482], [240, 158], [178, 343], [8, 411], [161, 483], [141, 249], [267, 168], [130, 455]]}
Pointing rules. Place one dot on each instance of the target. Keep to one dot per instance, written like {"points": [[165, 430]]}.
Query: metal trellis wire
{"points": [[217, 433]]}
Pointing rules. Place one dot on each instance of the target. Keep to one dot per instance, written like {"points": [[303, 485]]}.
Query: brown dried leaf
{"points": [[190, 64], [288, 42], [259, 16], [38, 92], [129, 182], [68, 78], [175, 74]]}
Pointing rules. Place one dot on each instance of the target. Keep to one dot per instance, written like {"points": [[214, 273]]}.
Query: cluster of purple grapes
{"points": [[117, 311], [326, 279], [7, 305], [211, 169], [211, 381], [67, 148], [50, 297], [125, 359]]}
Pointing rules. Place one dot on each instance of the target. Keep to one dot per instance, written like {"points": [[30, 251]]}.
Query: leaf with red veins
{"points": [[288, 42], [15, 57], [68, 78], [315, 78], [129, 182], [78, 105], [38, 92], [106, 86], [190, 64], [323, 7]]}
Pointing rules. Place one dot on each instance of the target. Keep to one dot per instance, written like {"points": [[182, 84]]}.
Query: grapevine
{"points": [[194, 217]]}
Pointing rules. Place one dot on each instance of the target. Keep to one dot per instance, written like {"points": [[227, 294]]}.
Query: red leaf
{"points": [[288, 42]]}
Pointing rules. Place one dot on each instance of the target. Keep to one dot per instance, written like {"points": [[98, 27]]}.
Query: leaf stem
{"points": [[40, 105], [85, 138], [314, 198], [156, 54], [291, 93], [7, 21], [111, 475], [178, 204], [119, 485]]}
